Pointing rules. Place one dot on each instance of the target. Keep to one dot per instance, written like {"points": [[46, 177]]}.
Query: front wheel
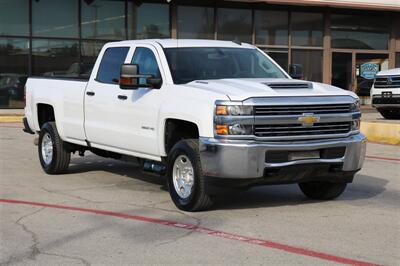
{"points": [[186, 183], [322, 190], [53, 155]]}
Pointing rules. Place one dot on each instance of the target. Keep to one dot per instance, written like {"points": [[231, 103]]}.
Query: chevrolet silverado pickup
{"points": [[385, 93], [207, 115]]}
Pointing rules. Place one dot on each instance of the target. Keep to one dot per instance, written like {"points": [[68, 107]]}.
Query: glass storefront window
{"points": [[195, 22], [367, 66], [14, 17], [89, 52], [307, 29], [148, 20], [280, 56], [234, 24], [55, 18], [397, 60], [311, 63], [103, 19], [271, 27], [58, 58], [13, 71], [360, 31]]}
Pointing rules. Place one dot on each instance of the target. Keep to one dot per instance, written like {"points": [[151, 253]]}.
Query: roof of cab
{"points": [[174, 43]]}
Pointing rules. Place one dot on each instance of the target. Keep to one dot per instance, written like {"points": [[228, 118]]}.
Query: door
{"points": [[341, 70], [124, 121], [102, 124], [367, 66], [141, 109], [355, 71]]}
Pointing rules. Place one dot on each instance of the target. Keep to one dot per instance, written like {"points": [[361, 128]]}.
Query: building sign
{"points": [[369, 70]]}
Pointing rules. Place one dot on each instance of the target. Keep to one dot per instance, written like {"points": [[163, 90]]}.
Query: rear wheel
{"points": [[53, 155], [390, 113], [186, 182], [322, 190]]}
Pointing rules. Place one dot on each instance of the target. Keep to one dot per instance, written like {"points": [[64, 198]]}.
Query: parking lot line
{"points": [[202, 230], [383, 158]]}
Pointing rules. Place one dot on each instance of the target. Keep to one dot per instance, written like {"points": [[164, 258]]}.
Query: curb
{"points": [[386, 133], [11, 118]]}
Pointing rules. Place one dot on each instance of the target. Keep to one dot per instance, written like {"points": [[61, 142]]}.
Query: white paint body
{"points": [[136, 126]]}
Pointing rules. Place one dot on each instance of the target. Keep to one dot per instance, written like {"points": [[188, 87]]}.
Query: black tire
{"points": [[322, 190], [198, 199], [61, 156], [390, 113]]}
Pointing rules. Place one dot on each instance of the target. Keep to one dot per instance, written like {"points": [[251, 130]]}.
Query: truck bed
{"points": [[66, 95]]}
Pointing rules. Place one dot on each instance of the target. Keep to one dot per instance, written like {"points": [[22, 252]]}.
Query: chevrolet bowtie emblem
{"points": [[308, 119]]}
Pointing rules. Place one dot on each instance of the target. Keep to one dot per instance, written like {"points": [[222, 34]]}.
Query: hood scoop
{"points": [[289, 85]]}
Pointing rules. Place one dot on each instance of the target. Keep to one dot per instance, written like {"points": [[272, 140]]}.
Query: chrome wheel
{"points": [[47, 148], [183, 176]]}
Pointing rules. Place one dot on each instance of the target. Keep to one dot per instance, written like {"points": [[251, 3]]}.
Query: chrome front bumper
{"points": [[247, 159]]}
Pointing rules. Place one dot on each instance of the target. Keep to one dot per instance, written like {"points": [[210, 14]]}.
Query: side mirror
{"points": [[130, 78], [296, 71]]}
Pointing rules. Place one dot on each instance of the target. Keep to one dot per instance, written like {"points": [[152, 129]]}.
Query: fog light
{"points": [[238, 129]]}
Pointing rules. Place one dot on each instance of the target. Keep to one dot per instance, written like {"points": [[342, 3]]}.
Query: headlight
{"points": [[355, 107], [355, 125], [234, 110], [235, 129]]}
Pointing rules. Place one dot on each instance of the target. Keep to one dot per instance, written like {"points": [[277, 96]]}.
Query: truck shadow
{"points": [[363, 187]]}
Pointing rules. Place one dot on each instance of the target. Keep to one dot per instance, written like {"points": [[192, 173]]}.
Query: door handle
{"points": [[90, 93], [122, 97]]}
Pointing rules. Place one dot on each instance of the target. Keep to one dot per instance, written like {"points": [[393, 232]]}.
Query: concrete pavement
{"points": [[363, 224]]}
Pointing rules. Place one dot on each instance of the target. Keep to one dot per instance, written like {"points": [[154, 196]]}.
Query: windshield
{"points": [[202, 63]]}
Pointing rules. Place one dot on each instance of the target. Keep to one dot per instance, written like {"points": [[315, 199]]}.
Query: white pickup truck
{"points": [[385, 93], [206, 114]]}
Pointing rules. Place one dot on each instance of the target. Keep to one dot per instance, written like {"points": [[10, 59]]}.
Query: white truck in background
{"points": [[206, 114], [385, 93]]}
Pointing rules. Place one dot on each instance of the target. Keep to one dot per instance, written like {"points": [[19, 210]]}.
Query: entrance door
{"points": [[355, 71], [367, 66], [341, 70]]}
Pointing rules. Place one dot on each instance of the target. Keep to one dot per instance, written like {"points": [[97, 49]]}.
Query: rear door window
{"points": [[110, 64]]}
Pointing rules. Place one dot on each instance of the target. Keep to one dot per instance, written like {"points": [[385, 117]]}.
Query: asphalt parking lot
{"points": [[107, 212]]}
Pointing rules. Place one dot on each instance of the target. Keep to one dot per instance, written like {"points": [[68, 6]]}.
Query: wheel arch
{"points": [[175, 129]]}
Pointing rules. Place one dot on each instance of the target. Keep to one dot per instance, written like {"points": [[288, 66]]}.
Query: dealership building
{"points": [[343, 43]]}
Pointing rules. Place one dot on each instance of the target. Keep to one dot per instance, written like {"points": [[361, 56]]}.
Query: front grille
{"points": [[285, 130], [387, 82], [301, 109], [394, 99]]}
